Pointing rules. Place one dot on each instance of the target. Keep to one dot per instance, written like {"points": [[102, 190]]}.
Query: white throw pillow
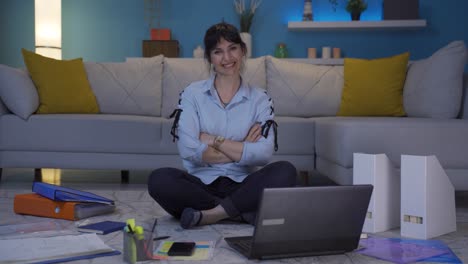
{"points": [[302, 89], [18, 92], [433, 86], [132, 87], [255, 72]]}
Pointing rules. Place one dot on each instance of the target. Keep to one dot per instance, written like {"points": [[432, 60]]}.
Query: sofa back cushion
{"points": [[178, 73], [433, 86], [374, 87], [18, 91], [132, 87], [302, 89], [255, 72], [464, 110], [61, 84]]}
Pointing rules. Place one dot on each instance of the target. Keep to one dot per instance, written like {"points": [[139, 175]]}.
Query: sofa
{"points": [[131, 131]]}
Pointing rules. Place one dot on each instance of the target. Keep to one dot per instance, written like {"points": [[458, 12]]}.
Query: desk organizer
{"points": [[137, 249]]}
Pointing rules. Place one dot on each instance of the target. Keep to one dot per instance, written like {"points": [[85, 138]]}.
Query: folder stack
{"points": [[48, 200]]}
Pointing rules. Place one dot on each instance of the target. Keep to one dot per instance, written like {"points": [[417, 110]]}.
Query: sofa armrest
{"points": [[464, 108]]}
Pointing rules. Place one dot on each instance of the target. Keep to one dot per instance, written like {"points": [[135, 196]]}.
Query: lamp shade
{"points": [[48, 26]]}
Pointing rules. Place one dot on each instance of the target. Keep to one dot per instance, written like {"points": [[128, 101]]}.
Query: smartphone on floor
{"points": [[181, 249]]}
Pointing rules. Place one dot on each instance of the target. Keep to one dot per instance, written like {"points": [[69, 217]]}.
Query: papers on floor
{"points": [[29, 250], [400, 250], [28, 228], [203, 251]]}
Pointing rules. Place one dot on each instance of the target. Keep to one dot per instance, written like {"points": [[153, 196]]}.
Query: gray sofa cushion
{"points": [[295, 135], [302, 89], [132, 87], [337, 138], [433, 86], [18, 92], [464, 110], [87, 133]]}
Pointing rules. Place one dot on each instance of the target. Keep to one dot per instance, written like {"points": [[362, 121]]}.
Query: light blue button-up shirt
{"points": [[202, 111]]}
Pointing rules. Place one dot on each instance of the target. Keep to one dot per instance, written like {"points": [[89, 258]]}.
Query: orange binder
{"points": [[34, 204]]}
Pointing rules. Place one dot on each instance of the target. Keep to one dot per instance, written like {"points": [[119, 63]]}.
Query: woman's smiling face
{"points": [[226, 57]]}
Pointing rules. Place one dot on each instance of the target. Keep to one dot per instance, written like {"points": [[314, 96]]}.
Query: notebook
{"points": [[102, 228], [306, 221]]}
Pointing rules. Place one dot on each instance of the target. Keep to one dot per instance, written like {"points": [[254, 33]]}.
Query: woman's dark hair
{"points": [[221, 30]]}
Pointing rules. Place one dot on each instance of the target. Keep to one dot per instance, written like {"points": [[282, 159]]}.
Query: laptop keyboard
{"points": [[244, 244]]}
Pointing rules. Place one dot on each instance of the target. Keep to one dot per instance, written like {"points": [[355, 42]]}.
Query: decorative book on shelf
{"points": [[64, 194]]}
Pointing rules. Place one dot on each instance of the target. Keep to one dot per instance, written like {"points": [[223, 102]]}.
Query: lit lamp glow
{"points": [[48, 26]]}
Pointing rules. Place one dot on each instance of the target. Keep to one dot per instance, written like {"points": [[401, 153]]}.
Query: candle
{"points": [[311, 53], [326, 53]]}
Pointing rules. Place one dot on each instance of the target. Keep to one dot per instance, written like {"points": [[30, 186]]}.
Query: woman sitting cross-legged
{"points": [[225, 130]]}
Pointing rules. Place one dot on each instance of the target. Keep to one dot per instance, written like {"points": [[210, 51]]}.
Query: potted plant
{"points": [[355, 8], [246, 16]]}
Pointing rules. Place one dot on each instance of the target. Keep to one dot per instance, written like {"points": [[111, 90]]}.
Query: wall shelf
{"points": [[357, 25]]}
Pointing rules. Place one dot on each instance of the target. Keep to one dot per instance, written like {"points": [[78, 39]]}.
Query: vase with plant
{"points": [[246, 16], [354, 7]]}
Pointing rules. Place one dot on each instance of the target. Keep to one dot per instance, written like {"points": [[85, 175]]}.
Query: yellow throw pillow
{"points": [[63, 86], [374, 87]]}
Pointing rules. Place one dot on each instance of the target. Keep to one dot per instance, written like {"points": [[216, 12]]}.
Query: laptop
{"points": [[306, 221]]}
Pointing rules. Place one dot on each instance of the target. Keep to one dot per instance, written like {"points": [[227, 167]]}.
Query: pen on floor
{"points": [[152, 231], [161, 237], [154, 225]]}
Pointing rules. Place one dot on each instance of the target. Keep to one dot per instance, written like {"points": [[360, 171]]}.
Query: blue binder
{"points": [[60, 193]]}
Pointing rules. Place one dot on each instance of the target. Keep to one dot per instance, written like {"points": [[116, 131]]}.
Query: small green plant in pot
{"points": [[355, 8]]}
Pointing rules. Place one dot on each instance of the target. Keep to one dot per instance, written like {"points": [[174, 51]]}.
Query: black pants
{"points": [[175, 190]]}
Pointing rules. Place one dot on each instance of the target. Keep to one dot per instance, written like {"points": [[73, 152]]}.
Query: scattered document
{"points": [[399, 250], [11, 230], [203, 251], [37, 249]]}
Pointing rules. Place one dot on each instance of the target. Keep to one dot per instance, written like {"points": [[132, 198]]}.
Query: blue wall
{"points": [[111, 30]]}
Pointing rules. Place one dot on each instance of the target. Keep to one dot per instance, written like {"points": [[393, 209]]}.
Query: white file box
{"points": [[384, 207], [427, 198]]}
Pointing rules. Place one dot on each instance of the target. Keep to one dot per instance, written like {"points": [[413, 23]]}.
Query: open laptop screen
{"points": [[304, 221]]}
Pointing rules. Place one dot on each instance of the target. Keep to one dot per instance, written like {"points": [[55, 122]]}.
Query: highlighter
{"points": [[131, 247], [141, 246], [139, 232], [131, 224]]}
